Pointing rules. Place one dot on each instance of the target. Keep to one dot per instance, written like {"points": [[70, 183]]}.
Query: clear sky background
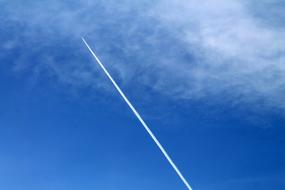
{"points": [[207, 76]]}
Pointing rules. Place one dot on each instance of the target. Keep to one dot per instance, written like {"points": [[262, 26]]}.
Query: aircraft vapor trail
{"points": [[139, 118]]}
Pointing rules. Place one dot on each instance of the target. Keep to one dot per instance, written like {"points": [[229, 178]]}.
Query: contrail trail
{"points": [[139, 118]]}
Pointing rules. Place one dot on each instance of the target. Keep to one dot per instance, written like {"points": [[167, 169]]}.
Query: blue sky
{"points": [[208, 78]]}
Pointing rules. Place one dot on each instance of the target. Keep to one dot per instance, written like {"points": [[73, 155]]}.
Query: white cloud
{"points": [[187, 49], [237, 55]]}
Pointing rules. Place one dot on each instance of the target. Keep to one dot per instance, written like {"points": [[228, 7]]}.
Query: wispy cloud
{"points": [[215, 49]]}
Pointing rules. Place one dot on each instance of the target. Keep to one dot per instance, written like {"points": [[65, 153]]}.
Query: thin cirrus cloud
{"points": [[185, 49]]}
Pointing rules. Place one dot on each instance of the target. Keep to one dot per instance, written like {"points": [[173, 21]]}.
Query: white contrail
{"points": [[139, 118]]}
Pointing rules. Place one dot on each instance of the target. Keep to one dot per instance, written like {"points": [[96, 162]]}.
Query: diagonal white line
{"points": [[139, 118]]}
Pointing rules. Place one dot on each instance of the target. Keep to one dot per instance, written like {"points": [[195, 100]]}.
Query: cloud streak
{"points": [[156, 141]]}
